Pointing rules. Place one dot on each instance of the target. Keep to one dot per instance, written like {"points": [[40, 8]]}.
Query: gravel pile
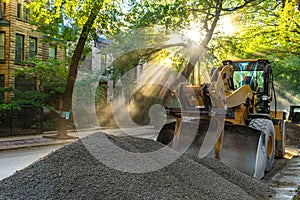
{"points": [[252, 186], [72, 172]]}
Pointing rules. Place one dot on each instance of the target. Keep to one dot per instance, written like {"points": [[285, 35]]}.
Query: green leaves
{"points": [[271, 31], [288, 26], [268, 29], [64, 20], [50, 77]]}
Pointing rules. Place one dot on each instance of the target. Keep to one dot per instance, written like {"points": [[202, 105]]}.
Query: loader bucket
{"points": [[207, 134], [244, 150]]}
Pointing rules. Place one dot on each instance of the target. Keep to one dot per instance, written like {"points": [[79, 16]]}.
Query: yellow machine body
{"points": [[228, 121]]}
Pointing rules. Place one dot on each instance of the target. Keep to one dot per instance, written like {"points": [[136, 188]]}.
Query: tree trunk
{"points": [[67, 100], [195, 56]]}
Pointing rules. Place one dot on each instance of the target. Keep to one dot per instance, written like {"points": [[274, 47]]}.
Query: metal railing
{"points": [[27, 120]]}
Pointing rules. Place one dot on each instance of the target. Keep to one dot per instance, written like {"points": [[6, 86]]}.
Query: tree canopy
{"points": [[259, 29], [263, 29], [271, 31]]}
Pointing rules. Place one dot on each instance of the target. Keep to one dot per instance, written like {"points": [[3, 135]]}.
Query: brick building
{"points": [[18, 42]]}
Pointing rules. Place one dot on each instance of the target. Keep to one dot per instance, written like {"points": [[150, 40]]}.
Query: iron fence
{"points": [[27, 120]]}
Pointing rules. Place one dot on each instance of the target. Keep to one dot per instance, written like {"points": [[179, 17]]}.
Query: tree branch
{"points": [[241, 6]]}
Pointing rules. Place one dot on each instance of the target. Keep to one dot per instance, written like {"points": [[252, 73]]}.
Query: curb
{"points": [[48, 138], [31, 142], [29, 146], [14, 147]]}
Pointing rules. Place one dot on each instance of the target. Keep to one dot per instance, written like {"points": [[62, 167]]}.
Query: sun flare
{"points": [[228, 26], [193, 33]]}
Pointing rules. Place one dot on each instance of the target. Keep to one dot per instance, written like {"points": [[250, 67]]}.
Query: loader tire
{"points": [[267, 128], [166, 134]]}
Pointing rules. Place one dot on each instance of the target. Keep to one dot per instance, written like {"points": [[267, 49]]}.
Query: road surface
{"points": [[14, 160]]}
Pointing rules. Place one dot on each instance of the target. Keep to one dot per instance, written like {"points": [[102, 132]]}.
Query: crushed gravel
{"points": [[72, 172], [251, 185]]}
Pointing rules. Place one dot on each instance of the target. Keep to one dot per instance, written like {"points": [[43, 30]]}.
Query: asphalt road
{"points": [[11, 161]]}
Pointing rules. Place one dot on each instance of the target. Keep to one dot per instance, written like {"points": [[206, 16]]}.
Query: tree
{"points": [[180, 14], [67, 101], [78, 16]]}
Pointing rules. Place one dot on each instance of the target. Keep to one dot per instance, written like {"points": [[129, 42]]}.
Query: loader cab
{"points": [[257, 74], [294, 115]]}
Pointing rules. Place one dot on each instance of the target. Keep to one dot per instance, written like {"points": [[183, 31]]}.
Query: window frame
{"points": [[4, 8], [21, 50], [25, 84], [2, 84], [55, 51], [32, 52], [26, 13], [19, 11], [23, 13], [2, 46]]}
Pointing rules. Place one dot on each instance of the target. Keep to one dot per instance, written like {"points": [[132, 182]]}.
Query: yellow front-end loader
{"points": [[230, 118]]}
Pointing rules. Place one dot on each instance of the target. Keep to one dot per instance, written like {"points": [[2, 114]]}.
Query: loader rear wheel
{"points": [[166, 134], [267, 128]]}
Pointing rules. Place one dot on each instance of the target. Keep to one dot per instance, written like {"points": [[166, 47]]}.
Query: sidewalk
{"points": [[17, 142]]}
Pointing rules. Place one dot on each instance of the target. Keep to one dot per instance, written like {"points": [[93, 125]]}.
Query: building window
{"points": [[19, 7], [32, 47], [2, 46], [1, 88], [26, 13], [52, 52], [19, 53], [4, 8], [23, 12], [24, 84]]}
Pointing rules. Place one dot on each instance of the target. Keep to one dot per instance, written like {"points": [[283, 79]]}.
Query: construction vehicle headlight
{"points": [[264, 97]]}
